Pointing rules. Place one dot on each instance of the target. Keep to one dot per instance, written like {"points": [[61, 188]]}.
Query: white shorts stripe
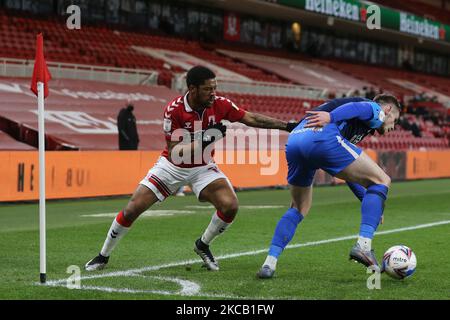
{"points": [[346, 147], [161, 184]]}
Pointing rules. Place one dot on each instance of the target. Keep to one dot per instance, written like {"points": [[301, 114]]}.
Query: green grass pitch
{"points": [[156, 259]]}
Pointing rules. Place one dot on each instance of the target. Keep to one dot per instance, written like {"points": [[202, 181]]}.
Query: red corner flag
{"points": [[40, 71]]}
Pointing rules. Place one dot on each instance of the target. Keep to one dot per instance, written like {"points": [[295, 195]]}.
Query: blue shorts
{"points": [[308, 150]]}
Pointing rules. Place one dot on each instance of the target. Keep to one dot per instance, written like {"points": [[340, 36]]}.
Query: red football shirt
{"points": [[179, 115]]}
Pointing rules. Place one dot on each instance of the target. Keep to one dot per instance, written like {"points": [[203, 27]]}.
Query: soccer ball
{"points": [[399, 262]]}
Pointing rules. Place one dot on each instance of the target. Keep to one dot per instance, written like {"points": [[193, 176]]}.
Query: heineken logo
{"points": [[418, 27], [374, 17], [338, 8]]}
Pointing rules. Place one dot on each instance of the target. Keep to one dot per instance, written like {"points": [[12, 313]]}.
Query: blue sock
{"points": [[358, 190], [284, 231], [372, 208]]}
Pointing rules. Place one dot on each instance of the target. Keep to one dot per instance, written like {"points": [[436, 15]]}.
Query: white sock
{"points": [[365, 243], [271, 261], [215, 227], [115, 233]]}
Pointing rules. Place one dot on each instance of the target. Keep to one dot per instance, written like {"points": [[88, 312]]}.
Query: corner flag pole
{"points": [[39, 86], [42, 227]]}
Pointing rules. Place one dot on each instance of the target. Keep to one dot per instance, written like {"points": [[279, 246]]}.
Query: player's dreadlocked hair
{"points": [[388, 98], [197, 76]]}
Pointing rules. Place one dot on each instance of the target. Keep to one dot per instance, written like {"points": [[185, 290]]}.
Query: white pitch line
{"points": [[168, 293], [148, 213], [240, 254], [163, 213], [188, 288], [209, 207]]}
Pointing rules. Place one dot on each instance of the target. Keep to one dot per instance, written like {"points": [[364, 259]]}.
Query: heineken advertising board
{"points": [[389, 18]]}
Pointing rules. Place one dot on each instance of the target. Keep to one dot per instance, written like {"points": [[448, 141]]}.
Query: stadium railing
{"points": [[10, 67]]}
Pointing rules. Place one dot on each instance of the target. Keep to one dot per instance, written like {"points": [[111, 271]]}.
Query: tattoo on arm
{"points": [[262, 121]]}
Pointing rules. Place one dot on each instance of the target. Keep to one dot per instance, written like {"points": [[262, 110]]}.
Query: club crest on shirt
{"points": [[167, 125]]}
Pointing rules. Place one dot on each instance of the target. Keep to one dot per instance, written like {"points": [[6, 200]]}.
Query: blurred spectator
{"points": [[364, 91], [332, 95], [126, 125], [404, 123], [413, 126], [416, 130], [435, 118], [407, 65], [423, 96], [370, 94], [166, 25]]}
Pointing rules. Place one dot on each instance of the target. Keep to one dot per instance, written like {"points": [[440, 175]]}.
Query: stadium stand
{"points": [[104, 46], [422, 9], [107, 47], [404, 140], [114, 48], [284, 108], [380, 77], [8, 143], [82, 114], [299, 72]]}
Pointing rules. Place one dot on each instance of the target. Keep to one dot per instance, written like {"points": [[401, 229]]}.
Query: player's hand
{"points": [[218, 126], [382, 219], [317, 119], [213, 133], [291, 125]]}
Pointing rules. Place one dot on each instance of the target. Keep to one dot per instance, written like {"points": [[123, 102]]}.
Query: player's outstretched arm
{"points": [[261, 121], [360, 110]]}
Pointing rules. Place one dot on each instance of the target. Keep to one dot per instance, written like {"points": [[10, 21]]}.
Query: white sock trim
{"points": [[271, 261], [214, 229], [115, 233], [365, 243]]}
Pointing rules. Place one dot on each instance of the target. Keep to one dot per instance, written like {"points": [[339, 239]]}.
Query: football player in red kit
{"points": [[191, 124]]}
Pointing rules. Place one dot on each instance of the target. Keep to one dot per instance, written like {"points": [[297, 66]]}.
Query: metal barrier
{"points": [[10, 67]]}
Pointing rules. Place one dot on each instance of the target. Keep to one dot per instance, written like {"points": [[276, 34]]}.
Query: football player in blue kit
{"points": [[325, 139]]}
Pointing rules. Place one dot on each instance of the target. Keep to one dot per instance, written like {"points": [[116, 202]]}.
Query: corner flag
{"points": [[40, 71], [39, 85]]}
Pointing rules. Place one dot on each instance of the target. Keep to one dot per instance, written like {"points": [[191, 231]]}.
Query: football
{"points": [[399, 262]]}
